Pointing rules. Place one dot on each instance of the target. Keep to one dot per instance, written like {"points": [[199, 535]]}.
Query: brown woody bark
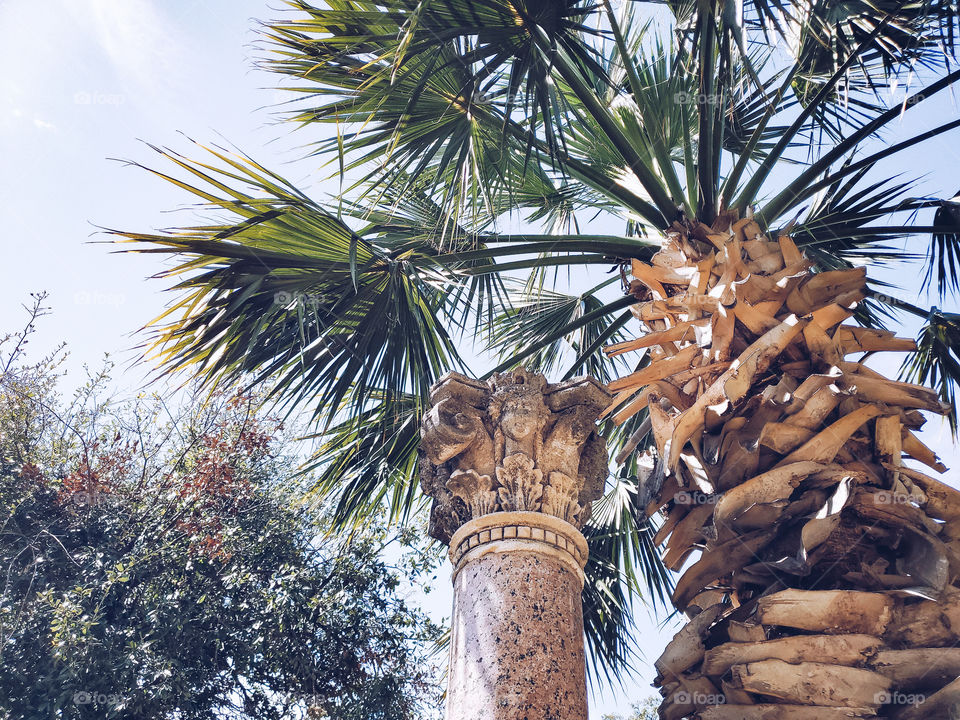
{"points": [[821, 570]]}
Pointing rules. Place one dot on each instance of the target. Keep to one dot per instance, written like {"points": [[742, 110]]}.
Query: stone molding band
{"points": [[531, 532]]}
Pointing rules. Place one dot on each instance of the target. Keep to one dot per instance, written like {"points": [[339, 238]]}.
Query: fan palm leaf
{"points": [[446, 121]]}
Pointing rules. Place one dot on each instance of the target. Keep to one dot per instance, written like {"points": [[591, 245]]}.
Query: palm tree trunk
{"points": [[824, 581]]}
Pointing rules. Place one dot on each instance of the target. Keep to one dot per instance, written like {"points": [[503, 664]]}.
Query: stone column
{"points": [[512, 466]]}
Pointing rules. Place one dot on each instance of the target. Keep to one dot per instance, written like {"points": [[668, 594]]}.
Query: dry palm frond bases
{"points": [[824, 584]]}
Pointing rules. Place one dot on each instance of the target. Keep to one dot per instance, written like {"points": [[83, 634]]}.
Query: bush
{"points": [[158, 565]]}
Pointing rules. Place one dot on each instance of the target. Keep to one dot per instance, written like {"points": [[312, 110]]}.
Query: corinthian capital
{"points": [[514, 443]]}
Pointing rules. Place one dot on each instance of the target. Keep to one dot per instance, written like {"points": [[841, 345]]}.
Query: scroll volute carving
{"points": [[455, 429], [514, 443]]}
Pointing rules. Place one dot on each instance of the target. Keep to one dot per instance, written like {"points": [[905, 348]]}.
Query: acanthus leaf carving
{"points": [[475, 490], [560, 497], [521, 483]]}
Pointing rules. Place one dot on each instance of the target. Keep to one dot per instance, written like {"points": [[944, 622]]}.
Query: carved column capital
{"points": [[513, 444]]}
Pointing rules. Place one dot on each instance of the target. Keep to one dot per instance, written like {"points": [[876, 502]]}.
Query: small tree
{"points": [[155, 569], [646, 710]]}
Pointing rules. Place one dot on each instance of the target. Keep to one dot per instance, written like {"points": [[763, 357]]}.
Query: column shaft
{"points": [[517, 630]]}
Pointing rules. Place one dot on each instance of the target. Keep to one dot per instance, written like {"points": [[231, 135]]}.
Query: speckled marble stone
{"points": [[517, 631]]}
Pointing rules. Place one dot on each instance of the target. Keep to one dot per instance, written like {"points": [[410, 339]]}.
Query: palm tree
{"points": [[754, 123]]}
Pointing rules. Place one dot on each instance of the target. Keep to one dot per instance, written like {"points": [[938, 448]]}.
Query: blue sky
{"points": [[89, 80]]}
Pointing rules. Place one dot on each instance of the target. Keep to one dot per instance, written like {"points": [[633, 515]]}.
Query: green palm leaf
{"points": [[447, 121], [287, 291], [943, 256], [937, 360]]}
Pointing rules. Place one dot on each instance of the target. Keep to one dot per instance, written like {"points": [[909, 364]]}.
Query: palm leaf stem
{"points": [[586, 318], [588, 96], [788, 197]]}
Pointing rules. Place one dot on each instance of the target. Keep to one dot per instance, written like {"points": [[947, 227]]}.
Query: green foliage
{"points": [[646, 710], [937, 360], [445, 122], [153, 568]]}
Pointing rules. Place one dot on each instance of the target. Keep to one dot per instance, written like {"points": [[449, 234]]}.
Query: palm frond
{"points": [[943, 256], [284, 290], [937, 360], [787, 198], [436, 83], [808, 108], [837, 231], [368, 461], [624, 563], [539, 341], [542, 318], [917, 33]]}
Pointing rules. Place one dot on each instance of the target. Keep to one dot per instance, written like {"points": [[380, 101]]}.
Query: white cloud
{"points": [[104, 48], [43, 124], [135, 38]]}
